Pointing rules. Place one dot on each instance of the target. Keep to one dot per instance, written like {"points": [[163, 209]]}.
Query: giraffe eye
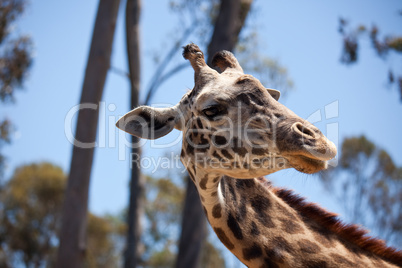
{"points": [[213, 111]]}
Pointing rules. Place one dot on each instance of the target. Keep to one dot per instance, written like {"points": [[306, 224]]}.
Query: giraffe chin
{"points": [[308, 165]]}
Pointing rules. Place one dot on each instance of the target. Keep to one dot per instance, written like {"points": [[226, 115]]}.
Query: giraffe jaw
{"points": [[307, 165]]}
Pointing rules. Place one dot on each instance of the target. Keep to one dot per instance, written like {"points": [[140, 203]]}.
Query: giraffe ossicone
{"points": [[234, 132]]}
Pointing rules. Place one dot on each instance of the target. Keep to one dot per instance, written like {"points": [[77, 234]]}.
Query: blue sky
{"points": [[302, 35]]}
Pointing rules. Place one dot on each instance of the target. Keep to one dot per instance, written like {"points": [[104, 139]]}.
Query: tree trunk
{"points": [[230, 21], [135, 209], [73, 226], [193, 229]]}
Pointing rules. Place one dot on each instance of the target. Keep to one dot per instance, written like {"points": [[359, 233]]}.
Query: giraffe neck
{"points": [[262, 230]]}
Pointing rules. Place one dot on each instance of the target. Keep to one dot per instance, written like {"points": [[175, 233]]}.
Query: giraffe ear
{"points": [[274, 93], [149, 123]]}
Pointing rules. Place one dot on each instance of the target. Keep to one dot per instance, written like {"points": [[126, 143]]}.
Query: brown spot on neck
{"points": [[224, 239]]}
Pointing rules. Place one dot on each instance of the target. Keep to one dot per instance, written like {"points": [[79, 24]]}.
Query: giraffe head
{"points": [[232, 124]]}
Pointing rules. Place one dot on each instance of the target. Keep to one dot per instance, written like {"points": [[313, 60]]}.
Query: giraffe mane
{"points": [[352, 233]]}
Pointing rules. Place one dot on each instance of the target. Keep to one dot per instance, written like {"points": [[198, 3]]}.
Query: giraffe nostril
{"points": [[303, 130]]}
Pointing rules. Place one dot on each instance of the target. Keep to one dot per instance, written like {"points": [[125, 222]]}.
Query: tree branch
{"points": [[159, 71]]}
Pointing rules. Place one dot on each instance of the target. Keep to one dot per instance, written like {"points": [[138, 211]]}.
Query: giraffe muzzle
{"points": [[314, 144], [305, 147]]}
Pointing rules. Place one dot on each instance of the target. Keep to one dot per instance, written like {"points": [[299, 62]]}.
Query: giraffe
{"points": [[235, 132]]}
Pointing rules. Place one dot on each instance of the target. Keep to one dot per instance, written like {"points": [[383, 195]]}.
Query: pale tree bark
{"points": [[72, 246], [137, 182], [230, 21], [193, 229]]}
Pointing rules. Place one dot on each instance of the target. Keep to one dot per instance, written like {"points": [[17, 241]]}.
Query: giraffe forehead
{"points": [[248, 79], [227, 84], [230, 93]]}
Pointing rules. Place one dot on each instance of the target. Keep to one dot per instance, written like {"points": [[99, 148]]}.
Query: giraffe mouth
{"points": [[307, 165], [312, 158]]}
